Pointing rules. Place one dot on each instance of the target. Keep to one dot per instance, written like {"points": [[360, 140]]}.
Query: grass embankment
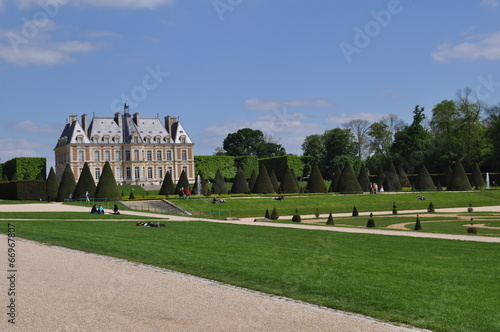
{"points": [[438, 284], [256, 206]]}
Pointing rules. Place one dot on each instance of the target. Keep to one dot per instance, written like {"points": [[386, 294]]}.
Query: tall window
{"points": [[81, 155], [169, 155], [127, 155], [136, 139], [184, 169], [149, 155], [160, 173], [97, 156], [136, 172], [129, 173], [118, 155], [184, 155], [170, 171], [150, 172], [158, 155], [136, 154], [118, 172], [107, 156], [97, 173]]}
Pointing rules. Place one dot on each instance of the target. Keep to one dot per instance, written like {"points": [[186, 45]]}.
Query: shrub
{"points": [[330, 221], [167, 186], [267, 215], [459, 179], [51, 186], [274, 180], [274, 214], [67, 184], [107, 187], [380, 176], [477, 177], [348, 183], [317, 213], [253, 179], [316, 183], [183, 183], [403, 178], [263, 183], [363, 179], [240, 185], [219, 187], [288, 183], [86, 183], [296, 217], [418, 226], [391, 182], [424, 180], [355, 212], [431, 209], [470, 209], [131, 196], [394, 208], [335, 180], [472, 229], [370, 223]]}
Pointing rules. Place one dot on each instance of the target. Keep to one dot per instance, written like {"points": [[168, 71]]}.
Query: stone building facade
{"points": [[139, 150]]}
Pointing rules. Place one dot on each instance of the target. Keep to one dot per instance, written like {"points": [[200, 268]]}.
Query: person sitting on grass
{"points": [[94, 209], [116, 210], [101, 209]]}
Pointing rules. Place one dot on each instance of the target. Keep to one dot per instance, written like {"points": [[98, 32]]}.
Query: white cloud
{"points": [[23, 46], [269, 105], [2, 5], [31, 127], [488, 48], [339, 119], [12, 148], [490, 3]]}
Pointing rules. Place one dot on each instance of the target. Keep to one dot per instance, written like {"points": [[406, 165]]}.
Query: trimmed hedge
{"points": [[391, 182], [219, 186], [240, 185], [348, 183], [477, 177], [25, 166], [67, 185], [23, 190], [316, 183], [278, 164], [459, 179], [363, 179], [289, 184], [51, 186], [167, 186], [263, 183], [424, 180], [107, 187], [86, 183]]}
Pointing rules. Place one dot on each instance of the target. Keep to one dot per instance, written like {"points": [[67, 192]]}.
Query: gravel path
{"points": [[58, 289]]}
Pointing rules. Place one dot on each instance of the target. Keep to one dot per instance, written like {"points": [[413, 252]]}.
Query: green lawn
{"points": [[437, 284], [256, 206]]}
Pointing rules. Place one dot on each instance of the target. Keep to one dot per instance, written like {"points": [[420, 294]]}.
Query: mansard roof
{"points": [[123, 129]]}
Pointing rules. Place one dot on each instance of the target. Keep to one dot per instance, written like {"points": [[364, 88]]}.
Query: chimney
{"points": [[136, 118], [84, 122], [117, 119], [168, 123], [72, 118]]}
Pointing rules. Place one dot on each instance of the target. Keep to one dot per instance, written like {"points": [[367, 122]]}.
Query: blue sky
{"points": [[291, 68]]}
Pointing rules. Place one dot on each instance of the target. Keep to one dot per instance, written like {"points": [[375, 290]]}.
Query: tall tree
{"points": [[86, 183], [314, 147], [67, 184], [246, 141], [107, 187], [338, 142], [240, 185], [360, 128]]}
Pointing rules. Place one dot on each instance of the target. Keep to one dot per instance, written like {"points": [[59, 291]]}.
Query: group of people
{"points": [[184, 193], [374, 188], [100, 209], [279, 198], [218, 200], [150, 224]]}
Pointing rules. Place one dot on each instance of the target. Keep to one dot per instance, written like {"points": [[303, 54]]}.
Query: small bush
{"points": [[267, 215], [394, 208], [418, 226], [274, 215], [470, 209], [330, 221], [370, 223], [296, 217], [355, 212], [131, 196], [317, 213], [431, 209]]}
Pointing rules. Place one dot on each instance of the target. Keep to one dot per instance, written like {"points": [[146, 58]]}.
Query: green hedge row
{"points": [[23, 190], [278, 164], [21, 167]]}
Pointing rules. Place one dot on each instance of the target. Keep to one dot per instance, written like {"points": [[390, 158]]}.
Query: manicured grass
{"points": [[67, 216], [252, 207], [438, 284]]}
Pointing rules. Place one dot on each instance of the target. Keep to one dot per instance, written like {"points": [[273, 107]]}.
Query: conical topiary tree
{"points": [[263, 183], [316, 183], [274, 214], [288, 183], [431, 208], [348, 183], [51, 186], [183, 182], [167, 186], [219, 187], [67, 184], [330, 221], [363, 179], [295, 178], [107, 187], [26, 177], [39, 177], [403, 178], [418, 226], [371, 222], [274, 180], [296, 217], [424, 180], [240, 185], [477, 177], [252, 180], [394, 208], [335, 180], [86, 183], [391, 182], [449, 172], [355, 212], [380, 176], [5, 178], [267, 215], [459, 179]]}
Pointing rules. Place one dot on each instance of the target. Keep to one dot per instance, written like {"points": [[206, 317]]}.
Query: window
{"points": [[118, 173], [184, 169], [97, 173], [149, 155], [160, 172], [136, 172], [96, 156], [136, 154], [127, 155], [136, 139], [158, 155], [183, 139], [184, 155], [106, 139], [148, 140], [81, 156], [118, 156], [169, 170], [169, 155], [129, 173], [107, 156], [150, 172], [79, 139]]}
